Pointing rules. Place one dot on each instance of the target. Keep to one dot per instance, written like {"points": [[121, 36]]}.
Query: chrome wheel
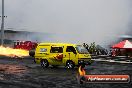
{"points": [[70, 64], [44, 63]]}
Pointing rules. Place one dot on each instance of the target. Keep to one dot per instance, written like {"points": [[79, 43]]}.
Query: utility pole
{"points": [[2, 24]]}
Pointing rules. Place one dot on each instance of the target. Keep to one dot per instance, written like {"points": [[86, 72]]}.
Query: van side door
{"points": [[71, 53], [56, 55]]}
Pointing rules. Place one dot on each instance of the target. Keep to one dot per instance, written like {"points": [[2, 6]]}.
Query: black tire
{"points": [[70, 64], [44, 63]]}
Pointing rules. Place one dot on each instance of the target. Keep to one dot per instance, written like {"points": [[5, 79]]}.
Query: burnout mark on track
{"points": [[12, 69]]}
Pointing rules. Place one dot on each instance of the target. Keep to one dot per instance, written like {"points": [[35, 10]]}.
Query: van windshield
{"points": [[81, 49]]}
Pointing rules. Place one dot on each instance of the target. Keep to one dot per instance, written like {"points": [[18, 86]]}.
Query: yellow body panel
{"points": [[43, 51]]}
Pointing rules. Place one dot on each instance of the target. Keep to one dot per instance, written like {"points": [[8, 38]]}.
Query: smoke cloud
{"points": [[74, 21]]}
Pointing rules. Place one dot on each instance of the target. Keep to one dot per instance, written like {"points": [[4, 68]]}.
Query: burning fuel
{"points": [[6, 51], [81, 71], [81, 75]]}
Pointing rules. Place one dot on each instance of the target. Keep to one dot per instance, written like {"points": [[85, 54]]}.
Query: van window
{"points": [[70, 49], [81, 49], [56, 50], [43, 50]]}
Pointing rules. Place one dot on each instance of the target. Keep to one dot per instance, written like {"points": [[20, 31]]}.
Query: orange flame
{"points": [[13, 52], [81, 71]]}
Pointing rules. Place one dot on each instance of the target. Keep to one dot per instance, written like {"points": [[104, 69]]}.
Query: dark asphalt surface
{"points": [[24, 73]]}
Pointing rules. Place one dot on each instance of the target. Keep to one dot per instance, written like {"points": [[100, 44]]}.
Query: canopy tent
{"points": [[123, 45]]}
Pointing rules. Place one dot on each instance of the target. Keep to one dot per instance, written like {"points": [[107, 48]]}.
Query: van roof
{"points": [[61, 44]]}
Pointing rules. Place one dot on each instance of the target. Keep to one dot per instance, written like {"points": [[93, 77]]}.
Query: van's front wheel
{"points": [[70, 64], [44, 63]]}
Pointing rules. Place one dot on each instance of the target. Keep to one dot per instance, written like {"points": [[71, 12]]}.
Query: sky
{"points": [[75, 21]]}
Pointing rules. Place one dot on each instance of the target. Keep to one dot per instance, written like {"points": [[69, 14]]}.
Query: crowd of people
{"points": [[95, 49], [99, 50]]}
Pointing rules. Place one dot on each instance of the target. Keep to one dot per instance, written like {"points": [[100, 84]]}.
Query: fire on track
{"points": [[11, 52]]}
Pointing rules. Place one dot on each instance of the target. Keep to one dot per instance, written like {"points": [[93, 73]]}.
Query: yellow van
{"points": [[69, 55]]}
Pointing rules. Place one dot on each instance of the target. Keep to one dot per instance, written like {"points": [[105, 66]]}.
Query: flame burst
{"points": [[81, 71], [6, 51]]}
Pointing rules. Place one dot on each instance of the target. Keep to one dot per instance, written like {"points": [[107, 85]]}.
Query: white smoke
{"points": [[75, 21]]}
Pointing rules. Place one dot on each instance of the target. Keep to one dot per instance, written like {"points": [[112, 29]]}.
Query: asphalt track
{"points": [[24, 73]]}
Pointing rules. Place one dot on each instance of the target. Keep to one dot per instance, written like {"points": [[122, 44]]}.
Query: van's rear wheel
{"points": [[44, 63], [70, 64]]}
